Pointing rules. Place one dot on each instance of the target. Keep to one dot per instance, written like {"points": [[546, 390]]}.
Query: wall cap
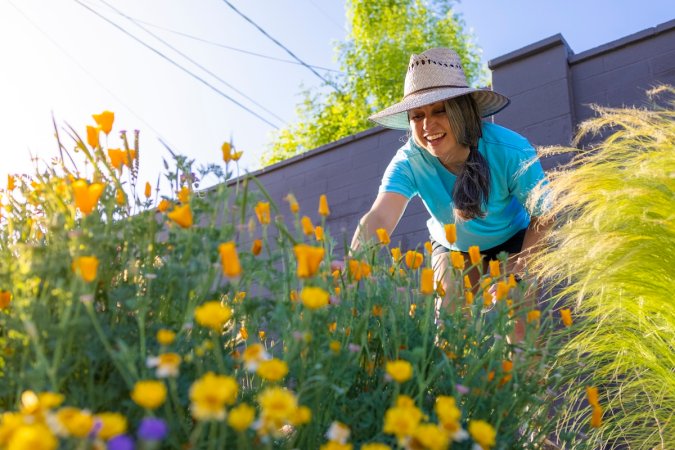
{"points": [[529, 50]]}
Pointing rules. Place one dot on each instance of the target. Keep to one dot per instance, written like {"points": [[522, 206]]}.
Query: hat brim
{"points": [[396, 116]]}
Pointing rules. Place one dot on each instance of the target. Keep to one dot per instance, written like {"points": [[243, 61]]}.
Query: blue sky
{"points": [[58, 57]]}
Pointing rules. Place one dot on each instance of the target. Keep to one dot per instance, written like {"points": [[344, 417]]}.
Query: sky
{"points": [[182, 72]]}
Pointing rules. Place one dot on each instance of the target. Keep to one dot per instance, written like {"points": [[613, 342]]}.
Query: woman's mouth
{"points": [[433, 138]]}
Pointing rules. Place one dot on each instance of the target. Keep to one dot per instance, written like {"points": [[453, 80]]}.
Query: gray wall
{"points": [[550, 89]]}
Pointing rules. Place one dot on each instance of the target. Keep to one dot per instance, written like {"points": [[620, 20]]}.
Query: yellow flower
{"points": [[428, 247], [469, 298], [302, 416], [402, 421], [182, 215], [273, 369], [335, 346], [533, 315], [324, 210], [482, 433], [120, 158], [596, 417], [227, 151], [184, 194], [334, 445], [253, 356], [566, 317], [10, 183], [308, 258], [167, 364], [318, 233], [229, 258], [5, 298], [50, 400], [256, 247], [241, 417], [494, 268], [149, 394], [474, 254], [86, 195], [383, 236], [164, 205], [112, 424], [277, 405], [292, 203], [399, 370], [314, 297], [120, 197], [502, 290], [413, 259], [86, 267], [237, 155], [76, 422], [354, 267], [427, 281], [592, 396], [35, 436], [210, 394], [92, 136], [457, 260], [243, 333], [467, 282], [396, 254], [375, 446], [448, 413], [307, 226], [450, 232], [432, 437], [165, 337], [262, 211], [213, 315], [148, 190], [512, 281], [104, 120]]}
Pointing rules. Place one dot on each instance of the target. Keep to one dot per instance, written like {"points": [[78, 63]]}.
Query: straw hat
{"points": [[433, 76]]}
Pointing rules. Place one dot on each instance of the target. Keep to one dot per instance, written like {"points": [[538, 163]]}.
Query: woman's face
{"points": [[431, 130]]}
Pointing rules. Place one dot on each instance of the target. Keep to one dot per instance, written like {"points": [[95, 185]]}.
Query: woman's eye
{"points": [[439, 111], [416, 117]]}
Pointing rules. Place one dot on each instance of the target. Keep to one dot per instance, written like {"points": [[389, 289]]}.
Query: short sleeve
{"points": [[527, 175], [398, 177]]}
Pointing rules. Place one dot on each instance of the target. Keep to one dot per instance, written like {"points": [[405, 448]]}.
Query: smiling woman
{"points": [[474, 177]]}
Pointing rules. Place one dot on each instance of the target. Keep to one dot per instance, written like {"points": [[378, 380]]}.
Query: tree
{"points": [[383, 34]]}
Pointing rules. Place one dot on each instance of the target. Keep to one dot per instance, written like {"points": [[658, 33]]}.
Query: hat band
{"points": [[434, 87]]}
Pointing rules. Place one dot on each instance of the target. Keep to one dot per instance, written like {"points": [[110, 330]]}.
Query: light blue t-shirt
{"points": [[514, 172]]}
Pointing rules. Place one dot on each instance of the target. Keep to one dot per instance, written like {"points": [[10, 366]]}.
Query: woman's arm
{"points": [[533, 235], [385, 213]]}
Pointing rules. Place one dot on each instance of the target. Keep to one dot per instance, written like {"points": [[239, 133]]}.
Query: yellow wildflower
{"points": [[76, 422], [10, 183], [50, 400], [383, 236], [112, 424], [494, 268], [165, 337], [149, 394], [596, 417], [334, 445], [324, 210], [482, 433], [308, 258], [120, 197], [512, 281], [307, 226], [432, 437], [502, 290], [533, 316], [182, 215], [474, 254], [448, 413], [86, 267], [164, 205], [243, 333], [277, 405], [256, 247], [428, 247], [253, 356], [566, 317], [5, 298], [450, 232], [375, 446], [120, 158], [427, 281], [292, 203], [413, 259], [148, 190], [262, 212], [399, 370], [227, 151], [592, 396], [104, 120], [467, 282], [229, 259], [36, 436], [318, 233], [314, 297], [335, 346], [302, 416], [213, 315], [167, 364], [396, 254], [273, 369], [402, 421], [241, 417], [92, 136], [184, 195], [457, 260], [86, 195], [210, 394]]}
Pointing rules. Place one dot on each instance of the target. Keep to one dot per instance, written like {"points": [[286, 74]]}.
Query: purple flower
{"points": [[354, 348], [462, 389], [152, 429], [121, 442]]}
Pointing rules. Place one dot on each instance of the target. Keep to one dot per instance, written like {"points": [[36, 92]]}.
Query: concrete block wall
{"points": [[550, 89]]}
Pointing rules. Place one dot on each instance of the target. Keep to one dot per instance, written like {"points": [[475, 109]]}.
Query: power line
{"points": [[218, 44], [162, 55], [329, 83], [192, 60], [327, 16]]}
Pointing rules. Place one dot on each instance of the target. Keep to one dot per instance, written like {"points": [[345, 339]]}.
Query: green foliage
{"points": [[92, 340], [373, 58], [613, 256]]}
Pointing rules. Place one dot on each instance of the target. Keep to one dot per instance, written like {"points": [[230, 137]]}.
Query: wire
{"points": [[192, 60], [195, 76], [327, 16], [329, 83], [218, 44]]}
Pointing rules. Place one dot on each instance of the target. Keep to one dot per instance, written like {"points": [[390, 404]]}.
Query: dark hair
{"points": [[472, 187]]}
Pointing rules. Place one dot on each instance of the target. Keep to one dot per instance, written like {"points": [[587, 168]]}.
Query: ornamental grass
{"points": [[611, 258], [204, 320]]}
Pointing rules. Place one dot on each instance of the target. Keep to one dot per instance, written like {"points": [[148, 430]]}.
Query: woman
{"points": [[474, 174]]}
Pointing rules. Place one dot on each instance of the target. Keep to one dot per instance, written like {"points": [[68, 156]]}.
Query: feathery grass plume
{"points": [[612, 256]]}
